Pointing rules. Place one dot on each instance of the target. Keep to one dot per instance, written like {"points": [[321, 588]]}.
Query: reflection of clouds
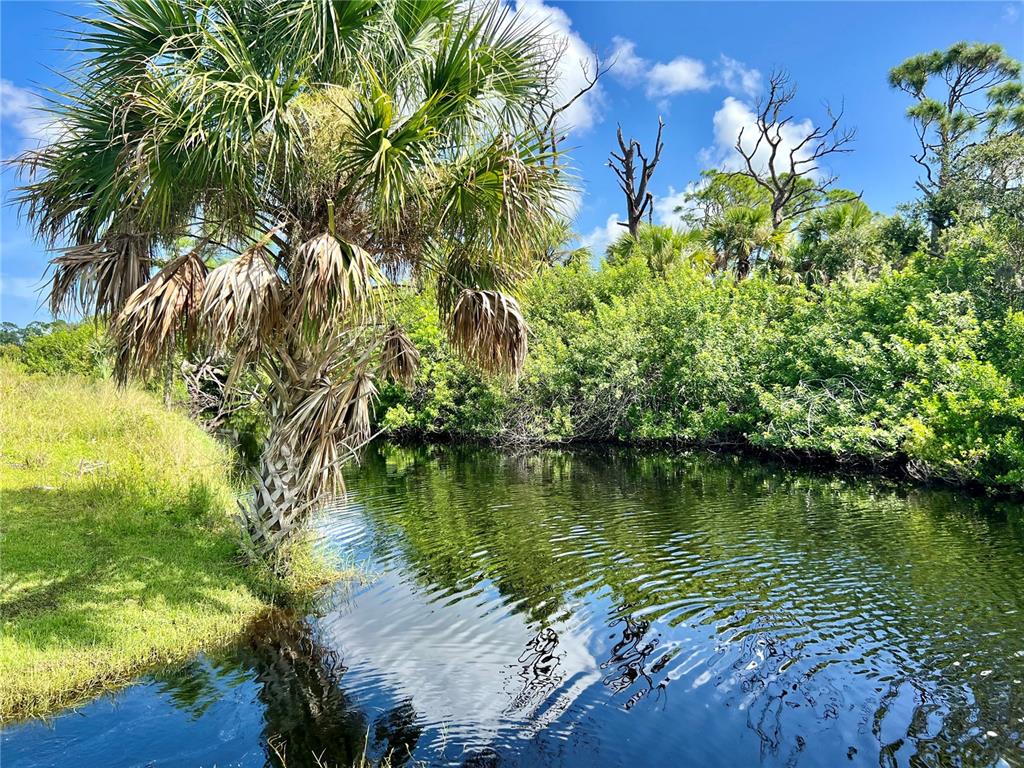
{"points": [[779, 614], [451, 657]]}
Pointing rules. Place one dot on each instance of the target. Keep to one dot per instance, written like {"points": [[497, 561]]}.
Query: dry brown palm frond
{"points": [[488, 328], [243, 300], [97, 278], [146, 327], [334, 278], [325, 427], [399, 357]]}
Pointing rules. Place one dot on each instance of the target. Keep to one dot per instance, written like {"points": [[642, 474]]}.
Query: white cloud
{"points": [[677, 76], [597, 239], [627, 66], [738, 78], [571, 76], [429, 658], [19, 287], [21, 112], [665, 205], [735, 116], [1011, 13], [680, 75]]}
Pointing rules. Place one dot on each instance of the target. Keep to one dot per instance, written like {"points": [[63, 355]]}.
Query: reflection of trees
{"points": [[794, 572], [538, 671], [196, 685], [397, 732], [628, 663], [309, 722], [307, 714]]}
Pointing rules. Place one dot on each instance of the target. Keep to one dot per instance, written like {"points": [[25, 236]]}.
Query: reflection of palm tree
{"points": [[198, 684], [397, 732], [308, 717]]}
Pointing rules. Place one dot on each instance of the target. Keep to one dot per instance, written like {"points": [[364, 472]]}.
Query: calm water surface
{"points": [[610, 608]]}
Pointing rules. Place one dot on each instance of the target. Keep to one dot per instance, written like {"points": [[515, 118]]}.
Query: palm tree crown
{"points": [[317, 153]]}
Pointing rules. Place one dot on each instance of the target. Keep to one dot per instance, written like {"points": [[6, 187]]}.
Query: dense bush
{"points": [[920, 366], [60, 348]]}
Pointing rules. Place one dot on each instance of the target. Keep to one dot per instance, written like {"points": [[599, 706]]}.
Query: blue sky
{"points": [[698, 65]]}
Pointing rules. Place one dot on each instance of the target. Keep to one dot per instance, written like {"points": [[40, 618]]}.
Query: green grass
{"points": [[118, 548]]}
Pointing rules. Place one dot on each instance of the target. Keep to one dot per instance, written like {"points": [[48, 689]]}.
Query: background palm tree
{"points": [[841, 239], [743, 236], [662, 247], [317, 154]]}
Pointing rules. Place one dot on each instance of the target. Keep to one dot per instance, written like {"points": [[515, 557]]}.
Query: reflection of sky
{"points": [[141, 727], [694, 675], [462, 658], [457, 658]]}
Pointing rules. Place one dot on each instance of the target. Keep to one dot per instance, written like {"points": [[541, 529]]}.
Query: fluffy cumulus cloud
{"points": [[627, 66], [23, 117], [669, 209], [599, 237], [572, 68], [735, 116], [738, 78], [682, 74]]}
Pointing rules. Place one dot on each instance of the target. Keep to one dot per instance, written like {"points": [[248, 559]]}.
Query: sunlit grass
{"points": [[118, 547]]}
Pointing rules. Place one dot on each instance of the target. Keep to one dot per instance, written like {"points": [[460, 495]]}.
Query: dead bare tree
{"points": [[547, 109], [639, 199], [789, 174], [593, 70]]}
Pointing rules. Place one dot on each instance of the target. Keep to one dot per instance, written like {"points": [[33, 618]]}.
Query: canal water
{"points": [[608, 607]]}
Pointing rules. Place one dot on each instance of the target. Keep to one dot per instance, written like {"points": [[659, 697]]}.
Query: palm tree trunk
{"points": [[273, 512], [742, 266], [276, 508]]}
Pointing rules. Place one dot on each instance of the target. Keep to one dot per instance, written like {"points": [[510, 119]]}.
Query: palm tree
{"points": [[842, 238], [743, 235], [660, 246], [317, 153]]}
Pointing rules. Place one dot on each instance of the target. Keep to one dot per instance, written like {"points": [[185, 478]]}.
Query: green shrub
{"points": [[920, 366], [82, 350]]}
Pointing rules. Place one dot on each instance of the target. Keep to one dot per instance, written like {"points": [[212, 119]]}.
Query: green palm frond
{"points": [[226, 119]]}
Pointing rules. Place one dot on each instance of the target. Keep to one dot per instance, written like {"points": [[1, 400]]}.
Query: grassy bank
{"points": [[118, 547]]}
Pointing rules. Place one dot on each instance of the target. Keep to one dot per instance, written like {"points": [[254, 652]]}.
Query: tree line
{"points": [[349, 219]]}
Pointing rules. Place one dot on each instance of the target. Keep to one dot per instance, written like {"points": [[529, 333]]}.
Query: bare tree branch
{"points": [[550, 132], [785, 173]]}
